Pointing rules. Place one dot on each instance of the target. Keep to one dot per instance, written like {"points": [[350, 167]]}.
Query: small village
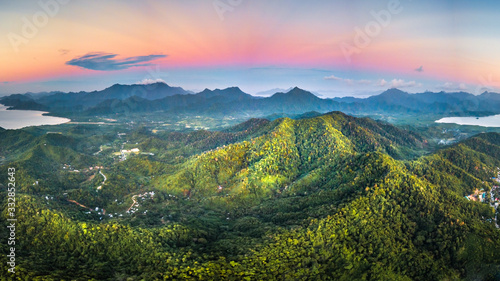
{"points": [[123, 154], [480, 195], [69, 168], [135, 205]]}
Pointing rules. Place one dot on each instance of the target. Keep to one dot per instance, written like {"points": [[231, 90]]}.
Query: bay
{"points": [[488, 121], [17, 119]]}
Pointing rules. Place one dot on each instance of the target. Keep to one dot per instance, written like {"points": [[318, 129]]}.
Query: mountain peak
{"points": [[231, 93], [296, 94], [159, 83], [394, 91], [486, 93], [230, 90], [490, 95], [116, 85], [234, 89], [299, 91]]}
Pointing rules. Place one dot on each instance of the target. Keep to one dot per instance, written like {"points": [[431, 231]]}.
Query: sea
{"points": [[17, 119]]}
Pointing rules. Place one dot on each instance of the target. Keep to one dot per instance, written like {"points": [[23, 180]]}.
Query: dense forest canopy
{"points": [[332, 197]]}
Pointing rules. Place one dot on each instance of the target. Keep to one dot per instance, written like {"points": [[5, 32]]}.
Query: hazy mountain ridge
{"points": [[59, 101], [233, 101]]}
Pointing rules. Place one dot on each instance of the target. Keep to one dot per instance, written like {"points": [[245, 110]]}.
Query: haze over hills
{"points": [[272, 92], [59, 101], [162, 98]]}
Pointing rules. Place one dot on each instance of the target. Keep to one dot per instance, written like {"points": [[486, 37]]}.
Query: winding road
{"points": [[103, 182], [133, 204]]}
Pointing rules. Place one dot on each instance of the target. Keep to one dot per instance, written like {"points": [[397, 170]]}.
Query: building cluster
{"points": [[69, 168], [133, 150], [477, 196], [135, 205]]}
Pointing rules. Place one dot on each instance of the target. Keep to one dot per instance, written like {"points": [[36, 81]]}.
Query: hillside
{"points": [[331, 197]]}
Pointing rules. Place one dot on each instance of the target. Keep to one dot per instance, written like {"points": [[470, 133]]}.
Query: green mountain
{"points": [[332, 197]]}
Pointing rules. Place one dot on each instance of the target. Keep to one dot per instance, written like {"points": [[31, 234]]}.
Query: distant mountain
{"points": [[345, 99], [153, 91], [221, 102], [296, 101], [391, 96], [19, 101], [487, 96], [397, 101], [160, 97], [294, 96], [228, 94], [41, 94], [71, 102], [273, 91]]}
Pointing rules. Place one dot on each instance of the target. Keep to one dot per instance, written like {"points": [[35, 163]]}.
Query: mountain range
{"points": [[160, 97]]}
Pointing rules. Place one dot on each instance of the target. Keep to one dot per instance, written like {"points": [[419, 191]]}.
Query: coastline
{"points": [[13, 119], [492, 121]]}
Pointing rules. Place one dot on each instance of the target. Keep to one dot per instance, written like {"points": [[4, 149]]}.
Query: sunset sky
{"points": [[333, 48]]}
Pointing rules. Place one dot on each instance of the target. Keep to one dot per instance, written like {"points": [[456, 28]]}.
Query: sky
{"points": [[332, 48]]}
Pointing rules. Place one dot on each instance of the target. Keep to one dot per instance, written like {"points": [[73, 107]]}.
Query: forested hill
{"points": [[291, 150], [326, 198]]}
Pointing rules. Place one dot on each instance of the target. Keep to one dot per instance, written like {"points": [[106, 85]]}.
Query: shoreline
{"points": [[33, 119], [492, 121]]}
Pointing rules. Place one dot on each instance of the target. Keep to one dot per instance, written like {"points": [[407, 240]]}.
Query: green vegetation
{"points": [[331, 197]]}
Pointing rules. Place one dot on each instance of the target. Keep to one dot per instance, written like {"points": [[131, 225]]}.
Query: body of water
{"points": [[488, 121], [17, 119]]}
